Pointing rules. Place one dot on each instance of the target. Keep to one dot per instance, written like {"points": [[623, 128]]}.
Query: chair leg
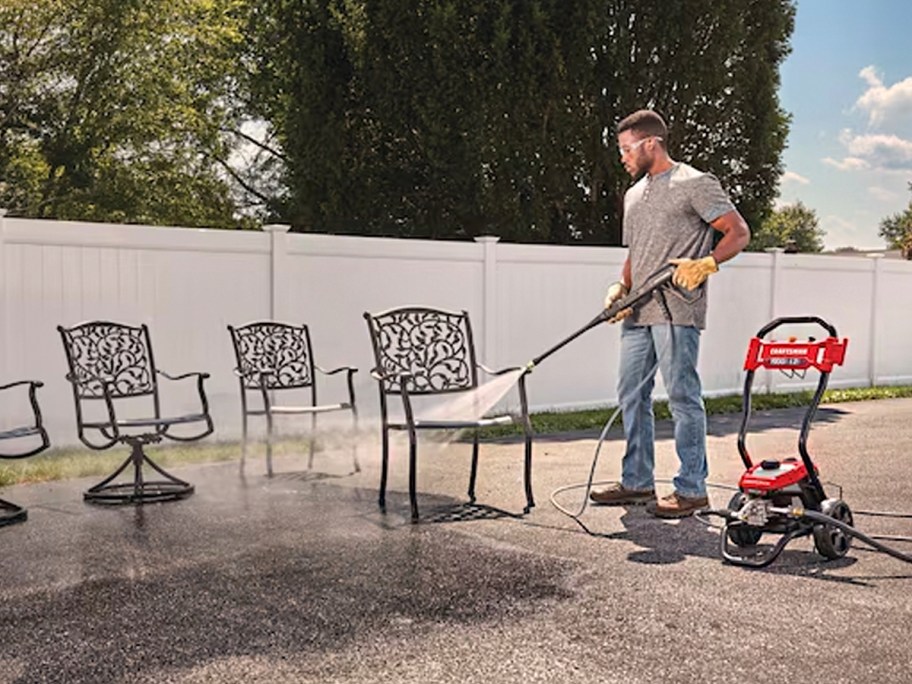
{"points": [[268, 444], [243, 439], [413, 467], [474, 471], [527, 474], [527, 431], [384, 467], [313, 432], [357, 465]]}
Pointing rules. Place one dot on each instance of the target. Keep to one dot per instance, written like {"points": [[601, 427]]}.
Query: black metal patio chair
{"points": [[275, 358], [116, 393], [23, 441], [422, 351]]}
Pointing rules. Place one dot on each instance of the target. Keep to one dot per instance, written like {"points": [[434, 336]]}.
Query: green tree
{"points": [[896, 229], [793, 227], [117, 110], [452, 118]]}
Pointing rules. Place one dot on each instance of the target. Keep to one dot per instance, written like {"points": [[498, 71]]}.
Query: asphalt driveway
{"points": [[299, 577]]}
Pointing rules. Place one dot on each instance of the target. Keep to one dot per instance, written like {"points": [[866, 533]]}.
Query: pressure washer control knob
{"points": [[769, 465]]}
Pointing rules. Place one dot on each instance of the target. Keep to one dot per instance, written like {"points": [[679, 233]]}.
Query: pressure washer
{"points": [[783, 496]]}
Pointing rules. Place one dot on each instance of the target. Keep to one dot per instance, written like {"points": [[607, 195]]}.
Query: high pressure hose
{"points": [[651, 287], [814, 516], [598, 447]]}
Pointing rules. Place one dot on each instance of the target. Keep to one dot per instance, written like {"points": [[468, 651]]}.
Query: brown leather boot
{"points": [[678, 506], [618, 495]]}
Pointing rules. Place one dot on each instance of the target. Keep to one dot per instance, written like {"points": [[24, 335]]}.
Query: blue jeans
{"points": [[678, 364]]}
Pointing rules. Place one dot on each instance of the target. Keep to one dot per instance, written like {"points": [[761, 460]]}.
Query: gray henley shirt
{"points": [[667, 216]]}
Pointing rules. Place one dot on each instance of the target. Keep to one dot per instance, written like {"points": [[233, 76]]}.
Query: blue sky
{"points": [[848, 87]]}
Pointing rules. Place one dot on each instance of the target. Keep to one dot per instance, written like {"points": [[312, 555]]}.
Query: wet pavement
{"points": [[300, 578]]}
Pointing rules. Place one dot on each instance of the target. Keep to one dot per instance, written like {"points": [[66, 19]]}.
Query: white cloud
{"points": [[882, 194], [847, 164], [885, 104], [874, 151], [792, 177], [884, 151]]}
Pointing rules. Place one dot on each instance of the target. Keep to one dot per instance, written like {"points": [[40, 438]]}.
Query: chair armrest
{"points": [[381, 377], [378, 376], [333, 371], [110, 432], [33, 383], [104, 382], [204, 406], [349, 380], [184, 376]]}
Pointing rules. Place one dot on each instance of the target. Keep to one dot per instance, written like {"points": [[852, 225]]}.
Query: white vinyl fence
{"points": [[188, 284]]}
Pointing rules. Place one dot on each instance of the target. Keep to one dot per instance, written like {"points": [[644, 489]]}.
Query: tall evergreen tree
{"points": [[452, 118]]}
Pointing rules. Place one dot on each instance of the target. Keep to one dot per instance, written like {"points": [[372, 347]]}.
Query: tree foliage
{"points": [[896, 229], [115, 110], [793, 227], [454, 118], [423, 118]]}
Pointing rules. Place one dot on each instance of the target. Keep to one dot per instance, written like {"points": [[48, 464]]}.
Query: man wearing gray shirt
{"points": [[670, 215]]}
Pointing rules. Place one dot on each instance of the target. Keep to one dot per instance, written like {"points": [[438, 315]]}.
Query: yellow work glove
{"points": [[691, 273], [615, 292]]}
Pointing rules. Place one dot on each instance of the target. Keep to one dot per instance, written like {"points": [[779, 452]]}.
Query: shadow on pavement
{"points": [[720, 425]]}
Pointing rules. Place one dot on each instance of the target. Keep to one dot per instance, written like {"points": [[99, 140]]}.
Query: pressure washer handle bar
{"points": [[792, 320], [655, 281], [793, 355]]}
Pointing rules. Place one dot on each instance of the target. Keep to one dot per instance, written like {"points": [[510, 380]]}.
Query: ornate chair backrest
{"points": [[433, 346], [120, 354], [281, 349]]}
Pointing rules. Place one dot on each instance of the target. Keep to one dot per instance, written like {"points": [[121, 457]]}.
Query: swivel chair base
{"points": [[10, 513], [140, 490]]}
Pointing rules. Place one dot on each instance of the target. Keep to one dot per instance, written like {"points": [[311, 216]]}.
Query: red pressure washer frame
{"points": [[792, 355]]}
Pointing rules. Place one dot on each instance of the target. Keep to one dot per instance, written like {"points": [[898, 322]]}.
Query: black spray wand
{"points": [[635, 298]]}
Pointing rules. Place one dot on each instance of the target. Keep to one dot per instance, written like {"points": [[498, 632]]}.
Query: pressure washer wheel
{"points": [[832, 542], [741, 534]]}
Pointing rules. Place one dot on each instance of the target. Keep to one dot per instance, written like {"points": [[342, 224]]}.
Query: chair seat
{"points": [[151, 422], [20, 432], [455, 424], [289, 410]]}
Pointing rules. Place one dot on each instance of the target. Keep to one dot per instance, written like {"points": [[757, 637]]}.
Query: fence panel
{"points": [[187, 285]]}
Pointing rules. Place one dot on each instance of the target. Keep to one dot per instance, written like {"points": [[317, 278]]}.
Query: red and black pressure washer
{"points": [[785, 496]]}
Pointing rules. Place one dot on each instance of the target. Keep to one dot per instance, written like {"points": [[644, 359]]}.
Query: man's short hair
{"points": [[645, 122]]}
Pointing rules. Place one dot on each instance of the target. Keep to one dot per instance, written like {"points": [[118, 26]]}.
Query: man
{"points": [[670, 215]]}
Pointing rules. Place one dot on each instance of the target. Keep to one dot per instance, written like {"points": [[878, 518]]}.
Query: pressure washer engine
{"points": [[785, 496]]}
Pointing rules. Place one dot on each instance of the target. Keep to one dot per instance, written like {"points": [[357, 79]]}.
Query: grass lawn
{"points": [[72, 462]]}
